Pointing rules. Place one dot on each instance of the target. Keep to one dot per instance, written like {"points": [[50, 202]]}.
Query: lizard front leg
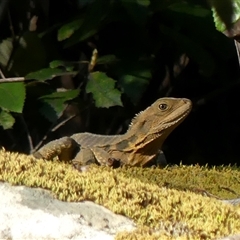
{"points": [[64, 148], [97, 155], [161, 159]]}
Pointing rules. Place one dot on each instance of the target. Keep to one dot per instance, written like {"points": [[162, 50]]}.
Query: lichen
{"points": [[158, 200]]}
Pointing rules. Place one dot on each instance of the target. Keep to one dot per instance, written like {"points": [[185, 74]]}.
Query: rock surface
{"points": [[31, 213]]}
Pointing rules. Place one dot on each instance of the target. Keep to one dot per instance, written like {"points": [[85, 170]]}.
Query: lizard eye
{"points": [[163, 106]]}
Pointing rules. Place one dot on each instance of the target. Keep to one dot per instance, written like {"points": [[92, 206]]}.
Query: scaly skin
{"points": [[140, 145]]}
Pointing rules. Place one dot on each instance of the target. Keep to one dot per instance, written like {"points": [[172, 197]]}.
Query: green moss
{"points": [[145, 195], [167, 233], [223, 182]]}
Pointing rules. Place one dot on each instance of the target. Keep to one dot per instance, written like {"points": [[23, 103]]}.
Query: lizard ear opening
{"points": [[163, 106]]}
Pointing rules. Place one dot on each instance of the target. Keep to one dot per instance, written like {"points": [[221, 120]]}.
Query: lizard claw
{"points": [[80, 168], [113, 162]]}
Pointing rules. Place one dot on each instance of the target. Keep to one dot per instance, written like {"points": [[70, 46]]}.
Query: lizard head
{"points": [[155, 123]]}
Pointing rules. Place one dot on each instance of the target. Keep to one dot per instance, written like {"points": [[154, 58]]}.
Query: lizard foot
{"points": [[113, 162]]}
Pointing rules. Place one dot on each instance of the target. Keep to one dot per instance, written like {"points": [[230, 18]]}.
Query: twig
{"points": [[15, 79], [64, 74], [229, 190], [28, 133], [52, 129], [204, 193], [22, 79], [33, 24], [11, 25], [1, 74], [237, 50], [93, 60], [62, 123], [216, 93]]}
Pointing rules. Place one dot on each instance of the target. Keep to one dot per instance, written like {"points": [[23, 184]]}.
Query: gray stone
{"points": [[33, 213]]}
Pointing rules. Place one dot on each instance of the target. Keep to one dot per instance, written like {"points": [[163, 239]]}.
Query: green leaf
{"points": [[137, 10], [6, 47], [44, 74], [54, 104], [49, 112], [12, 96], [107, 59], [157, 5], [29, 55], [144, 3], [189, 9], [225, 13], [103, 89], [68, 29], [134, 76], [6, 120], [56, 63], [134, 85], [59, 63], [96, 13], [64, 95]]}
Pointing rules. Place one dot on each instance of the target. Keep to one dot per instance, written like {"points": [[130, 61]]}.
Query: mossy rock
{"points": [[160, 201]]}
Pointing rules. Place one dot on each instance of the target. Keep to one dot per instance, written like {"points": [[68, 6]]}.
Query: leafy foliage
{"points": [[6, 120], [59, 63], [12, 96], [102, 88], [44, 74], [67, 30], [225, 13], [6, 47], [54, 104]]}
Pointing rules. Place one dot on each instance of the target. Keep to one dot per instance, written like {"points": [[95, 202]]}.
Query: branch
{"points": [[1, 74], [30, 142], [62, 123], [11, 25], [15, 79], [22, 79], [52, 129], [64, 74]]}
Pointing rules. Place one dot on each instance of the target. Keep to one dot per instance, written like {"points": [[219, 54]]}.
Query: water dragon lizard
{"points": [[140, 145]]}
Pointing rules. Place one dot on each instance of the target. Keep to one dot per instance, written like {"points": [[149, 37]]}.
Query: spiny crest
{"points": [[137, 117]]}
